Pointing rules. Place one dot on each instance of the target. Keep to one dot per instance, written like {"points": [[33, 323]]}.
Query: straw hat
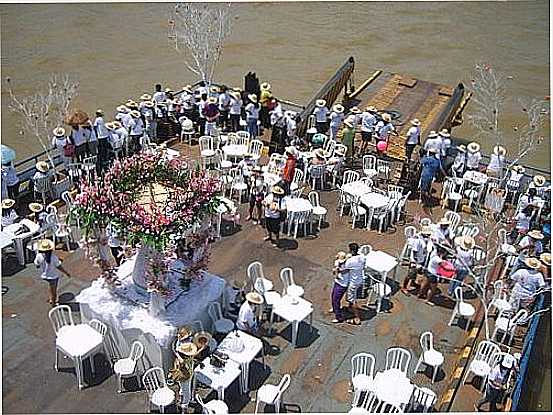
{"points": [[473, 147], [546, 259], [45, 245], [253, 297], [348, 123], [466, 242], [7, 203], [415, 122], [145, 97], [168, 90], [426, 230], [532, 263], [444, 221], [339, 108], [341, 256], [371, 108], [35, 207], [188, 88], [462, 148], [212, 100], [122, 108], [445, 133], [432, 134], [252, 97], [320, 103], [320, 153], [291, 150], [499, 151], [135, 114], [42, 166], [149, 104], [201, 340], [131, 104], [99, 111], [535, 234], [265, 86], [188, 349], [539, 180], [355, 110], [387, 117], [214, 89], [277, 190], [508, 361], [113, 125], [59, 132], [519, 169]]}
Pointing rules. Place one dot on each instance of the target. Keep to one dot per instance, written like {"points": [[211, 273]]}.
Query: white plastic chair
{"points": [[59, 230], [220, 323], [319, 212], [159, 393], [429, 356], [272, 394], [256, 277], [358, 211], [350, 176], [297, 219], [369, 404], [389, 408], [317, 173], [381, 289], [207, 150], [60, 317], [329, 148], [89, 167], [473, 194], [126, 367], [467, 230], [398, 358], [409, 232], [383, 169], [499, 299], [242, 138], [297, 180], [422, 400], [74, 172], [215, 406], [290, 287], [362, 374], [238, 183], [254, 149], [452, 190], [369, 166], [509, 325], [461, 308], [454, 218], [392, 188], [481, 363]]}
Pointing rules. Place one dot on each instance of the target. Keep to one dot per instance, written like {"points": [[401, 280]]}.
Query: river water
{"points": [[119, 51]]}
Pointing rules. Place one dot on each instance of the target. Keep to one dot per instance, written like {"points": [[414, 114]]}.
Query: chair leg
{"points": [[435, 372], [56, 361], [256, 406], [452, 318], [119, 383], [418, 364], [277, 405]]}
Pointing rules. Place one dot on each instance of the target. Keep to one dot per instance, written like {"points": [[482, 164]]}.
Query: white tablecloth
{"points": [[393, 386], [7, 236], [218, 379], [129, 322], [235, 150], [296, 204], [358, 188], [475, 177], [374, 200], [380, 262], [293, 310], [270, 179]]}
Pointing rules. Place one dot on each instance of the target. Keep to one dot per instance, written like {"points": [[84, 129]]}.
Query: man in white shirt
{"points": [[445, 138], [235, 111], [118, 135], [368, 122], [336, 119], [290, 125], [159, 96], [385, 127], [321, 114], [77, 137], [224, 108], [442, 234], [201, 104], [355, 267], [102, 133], [430, 285], [137, 129], [473, 156], [413, 138], [247, 320], [418, 253], [526, 282], [433, 142]]}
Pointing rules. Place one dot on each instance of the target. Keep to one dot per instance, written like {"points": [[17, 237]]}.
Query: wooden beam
{"points": [[365, 84]]}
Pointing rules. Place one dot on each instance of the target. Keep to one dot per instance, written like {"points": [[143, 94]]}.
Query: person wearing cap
{"points": [[78, 139], [418, 252], [431, 166], [384, 128], [247, 320], [526, 281], [235, 111], [368, 122], [274, 205], [340, 287], [433, 142], [321, 113], [224, 108], [91, 139], [464, 246], [348, 139], [497, 382], [429, 287], [252, 116], [9, 215], [289, 168], [159, 96], [354, 267], [336, 119], [413, 138], [497, 162], [473, 156], [49, 264]]}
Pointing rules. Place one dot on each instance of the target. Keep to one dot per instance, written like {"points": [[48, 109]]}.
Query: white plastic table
{"points": [[270, 179], [358, 188], [393, 386], [374, 200], [7, 236], [293, 310], [217, 378], [380, 262], [475, 177], [297, 204], [235, 150], [252, 347], [79, 341]]}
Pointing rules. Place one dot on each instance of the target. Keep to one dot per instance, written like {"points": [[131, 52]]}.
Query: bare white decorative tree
{"points": [[198, 31], [45, 110]]}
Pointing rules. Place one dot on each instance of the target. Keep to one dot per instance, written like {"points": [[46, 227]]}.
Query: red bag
{"points": [[69, 150]]}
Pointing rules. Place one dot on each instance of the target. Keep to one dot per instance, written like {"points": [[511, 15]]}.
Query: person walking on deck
{"points": [[429, 287], [354, 266], [49, 264], [385, 128], [224, 108], [368, 123], [496, 383], [430, 167], [235, 111], [252, 116], [321, 114], [265, 97], [336, 119], [412, 139], [341, 283]]}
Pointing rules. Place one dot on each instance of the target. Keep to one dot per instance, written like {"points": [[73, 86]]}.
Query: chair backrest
{"points": [[423, 399], [458, 293], [255, 147], [410, 232], [452, 217], [350, 176], [425, 222], [317, 171], [340, 150], [67, 199], [313, 197], [369, 162], [298, 176], [214, 311], [383, 167], [427, 341], [206, 142], [236, 174], [90, 161], [467, 230], [255, 271], [98, 326], [365, 249], [137, 350], [389, 408], [394, 188], [297, 192], [43, 184], [153, 379], [368, 181], [362, 364], [283, 384], [498, 292], [60, 316], [329, 147], [502, 236], [478, 254], [398, 358], [287, 277], [51, 209], [519, 318], [485, 351], [242, 137], [370, 402]]}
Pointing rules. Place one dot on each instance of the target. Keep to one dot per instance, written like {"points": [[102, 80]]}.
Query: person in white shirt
{"points": [[114, 243], [336, 119], [91, 139], [458, 167], [445, 138], [433, 142], [291, 125], [368, 123], [443, 235], [201, 104], [102, 133], [473, 156], [159, 95], [497, 162], [49, 264], [340, 287], [247, 320], [526, 282], [187, 101], [463, 261], [9, 215], [77, 137], [252, 115], [413, 138], [321, 114], [235, 111], [355, 267], [497, 382], [417, 258], [430, 285], [59, 141], [224, 108], [118, 135], [148, 111], [385, 127], [137, 130], [42, 170], [10, 180], [539, 184], [531, 244], [274, 205]]}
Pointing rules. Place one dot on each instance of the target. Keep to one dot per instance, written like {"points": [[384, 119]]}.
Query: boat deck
{"points": [[320, 365]]}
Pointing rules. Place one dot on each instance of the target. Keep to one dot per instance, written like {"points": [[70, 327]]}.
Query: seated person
{"points": [[247, 320], [9, 215]]}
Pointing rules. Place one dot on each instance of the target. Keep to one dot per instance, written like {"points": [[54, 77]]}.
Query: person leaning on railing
{"points": [[497, 383]]}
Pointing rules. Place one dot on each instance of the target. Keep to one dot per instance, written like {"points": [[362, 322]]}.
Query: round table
{"points": [[271, 179], [393, 386], [475, 177], [374, 200], [235, 150], [358, 188], [297, 204]]}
